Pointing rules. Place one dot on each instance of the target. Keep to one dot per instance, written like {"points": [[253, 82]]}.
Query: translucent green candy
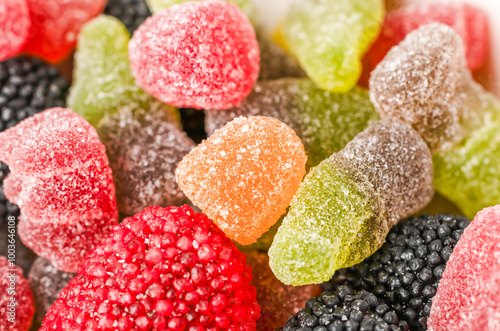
{"points": [[329, 38], [102, 79], [324, 121], [347, 204]]}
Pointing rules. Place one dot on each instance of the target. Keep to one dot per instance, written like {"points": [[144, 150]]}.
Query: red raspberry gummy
{"points": [[196, 54], [470, 23], [61, 180], [16, 300], [164, 268], [14, 27], [56, 24], [467, 295]]}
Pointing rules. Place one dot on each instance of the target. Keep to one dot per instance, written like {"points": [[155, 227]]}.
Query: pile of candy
{"points": [[302, 209]]}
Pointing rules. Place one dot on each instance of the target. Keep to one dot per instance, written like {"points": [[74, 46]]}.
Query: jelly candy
{"points": [[62, 183], [131, 12], [324, 121], [467, 296], [330, 37], [103, 82], [346, 205], [244, 175], [15, 26], [207, 76]]}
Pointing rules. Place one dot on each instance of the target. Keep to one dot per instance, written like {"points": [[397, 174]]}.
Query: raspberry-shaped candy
{"points": [[16, 300], [164, 268], [14, 27], [196, 54]]}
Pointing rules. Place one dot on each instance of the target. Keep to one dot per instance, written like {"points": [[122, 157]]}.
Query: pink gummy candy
{"points": [[467, 296], [61, 180], [196, 54], [14, 27], [56, 24], [471, 24]]}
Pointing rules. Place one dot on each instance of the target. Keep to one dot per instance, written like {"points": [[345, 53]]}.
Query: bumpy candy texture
{"points": [[276, 300], [206, 75], [329, 38], [469, 22], [467, 297], [346, 205], [131, 12], [163, 268], [345, 309], [56, 24], [144, 148], [15, 26], [103, 82], [324, 121], [405, 272], [62, 183], [244, 175], [17, 314], [46, 283]]}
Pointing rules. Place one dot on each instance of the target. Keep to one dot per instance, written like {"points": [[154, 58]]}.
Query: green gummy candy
{"points": [[324, 121], [320, 232], [330, 37], [102, 79]]}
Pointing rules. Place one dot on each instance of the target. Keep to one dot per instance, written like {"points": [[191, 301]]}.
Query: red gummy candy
{"points": [[471, 24], [467, 295], [14, 27], [196, 54], [61, 180], [14, 289], [164, 268], [56, 24]]}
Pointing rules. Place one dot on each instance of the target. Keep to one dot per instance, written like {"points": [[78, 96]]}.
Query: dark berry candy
{"points": [[15, 26], [405, 272], [16, 300], [131, 12], [162, 268], [345, 309]]}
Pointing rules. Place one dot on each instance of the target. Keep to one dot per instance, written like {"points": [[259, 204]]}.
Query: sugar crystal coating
{"points": [[469, 22], [277, 301], [46, 283], [244, 175], [62, 183], [346, 205], [15, 26], [162, 268], [203, 75], [103, 82], [329, 38], [56, 24], [467, 296], [16, 301], [324, 121], [144, 148]]}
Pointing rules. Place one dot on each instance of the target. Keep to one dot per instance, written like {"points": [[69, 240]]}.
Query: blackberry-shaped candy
{"points": [[405, 272], [131, 12], [345, 309]]}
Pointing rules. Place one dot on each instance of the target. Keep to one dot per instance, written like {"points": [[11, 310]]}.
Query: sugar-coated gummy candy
{"points": [[46, 282], [467, 296], [62, 183], [264, 242], [24, 256], [244, 175], [15, 24], [346, 205], [330, 37], [164, 268], [16, 301], [469, 22], [277, 301], [205, 75], [144, 148], [103, 82], [324, 121], [56, 24]]}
